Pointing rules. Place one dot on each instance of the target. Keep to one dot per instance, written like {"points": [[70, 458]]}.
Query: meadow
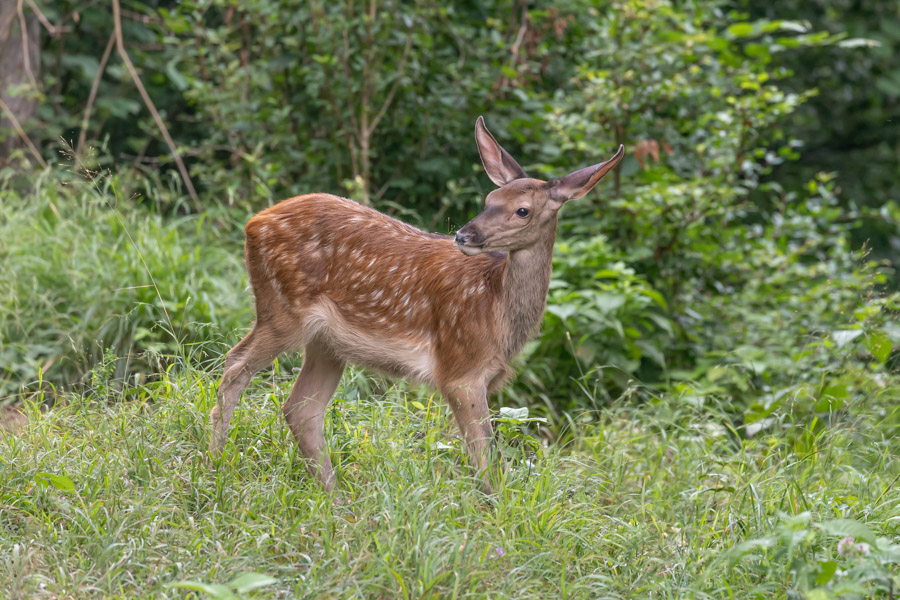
{"points": [[111, 495]]}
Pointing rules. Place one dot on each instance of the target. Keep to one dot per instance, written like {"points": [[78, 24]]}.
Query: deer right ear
{"points": [[577, 184], [499, 165]]}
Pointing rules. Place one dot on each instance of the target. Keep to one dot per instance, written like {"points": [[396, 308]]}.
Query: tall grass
{"points": [[118, 500], [82, 273]]}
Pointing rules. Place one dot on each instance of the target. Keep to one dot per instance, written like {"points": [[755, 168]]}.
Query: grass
{"points": [[110, 495], [83, 271]]}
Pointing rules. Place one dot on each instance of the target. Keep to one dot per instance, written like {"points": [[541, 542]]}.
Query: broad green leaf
{"points": [[213, 590], [563, 311], [859, 42], [848, 587], [608, 302], [60, 482], [755, 50], [656, 297], [175, 76], [833, 397], [740, 29], [744, 548], [516, 414], [250, 581], [89, 65], [417, 404], [842, 337], [849, 527], [652, 352], [792, 26], [879, 345], [662, 322], [828, 568]]}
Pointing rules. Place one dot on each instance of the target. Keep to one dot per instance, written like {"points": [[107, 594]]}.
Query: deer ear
{"points": [[499, 165], [577, 184]]}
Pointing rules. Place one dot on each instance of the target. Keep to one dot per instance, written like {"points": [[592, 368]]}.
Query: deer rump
{"points": [[374, 291]]}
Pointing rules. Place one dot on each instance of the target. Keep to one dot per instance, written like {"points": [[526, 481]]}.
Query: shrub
{"points": [[79, 276]]}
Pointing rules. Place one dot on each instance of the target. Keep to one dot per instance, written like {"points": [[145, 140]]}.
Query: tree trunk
{"points": [[15, 82]]}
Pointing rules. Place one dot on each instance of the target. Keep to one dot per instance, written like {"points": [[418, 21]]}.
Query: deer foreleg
{"points": [[469, 404]]}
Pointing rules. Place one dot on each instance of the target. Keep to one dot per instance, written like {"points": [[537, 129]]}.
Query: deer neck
{"points": [[526, 280]]}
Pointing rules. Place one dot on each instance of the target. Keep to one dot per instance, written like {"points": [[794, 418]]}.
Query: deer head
{"points": [[523, 210]]}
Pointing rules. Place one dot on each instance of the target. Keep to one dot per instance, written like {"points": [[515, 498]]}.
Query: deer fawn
{"points": [[351, 285]]}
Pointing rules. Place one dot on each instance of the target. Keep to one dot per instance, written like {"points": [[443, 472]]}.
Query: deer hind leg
{"points": [[470, 407], [253, 353], [305, 409]]}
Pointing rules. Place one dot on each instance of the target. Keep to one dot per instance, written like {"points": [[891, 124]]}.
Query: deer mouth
{"points": [[469, 249]]}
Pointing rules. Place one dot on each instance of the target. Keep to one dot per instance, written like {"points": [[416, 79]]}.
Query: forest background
{"points": [[740, 267]]}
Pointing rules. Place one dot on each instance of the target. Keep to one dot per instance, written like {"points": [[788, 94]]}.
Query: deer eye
{"points": [[522, 212]]}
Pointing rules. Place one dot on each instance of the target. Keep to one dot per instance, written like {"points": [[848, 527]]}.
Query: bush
{"points": [[79, 276]]}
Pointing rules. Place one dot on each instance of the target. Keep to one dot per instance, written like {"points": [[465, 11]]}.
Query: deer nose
{"points": [[469, 235]]}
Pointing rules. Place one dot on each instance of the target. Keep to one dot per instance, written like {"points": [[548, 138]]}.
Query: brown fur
{"points": [[351, 285]]}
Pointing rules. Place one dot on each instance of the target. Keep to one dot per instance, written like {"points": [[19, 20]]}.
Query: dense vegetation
{"points": [[713, 399]]}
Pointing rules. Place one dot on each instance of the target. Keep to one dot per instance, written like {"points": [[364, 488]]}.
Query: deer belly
{"points": [[399, 355]]}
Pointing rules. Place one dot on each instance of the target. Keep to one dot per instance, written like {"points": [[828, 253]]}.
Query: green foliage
{"points": [[713, 402], [696, 273], [693, 270], [860, 565], [850, 126], [603, 323], [80, 274], [117, 500], [233, 590]]}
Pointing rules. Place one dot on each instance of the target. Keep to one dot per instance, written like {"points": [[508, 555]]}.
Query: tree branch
{"points": [[53, 31], [93, 95], [26, 54], [18, 127], [120, 45]]}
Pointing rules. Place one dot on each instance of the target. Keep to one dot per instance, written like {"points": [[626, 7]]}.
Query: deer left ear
{"points": [[500, 166], [577, 184]]}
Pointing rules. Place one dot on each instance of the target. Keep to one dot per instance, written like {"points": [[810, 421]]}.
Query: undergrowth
{"points": [[84, 271], [104, 498]]}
